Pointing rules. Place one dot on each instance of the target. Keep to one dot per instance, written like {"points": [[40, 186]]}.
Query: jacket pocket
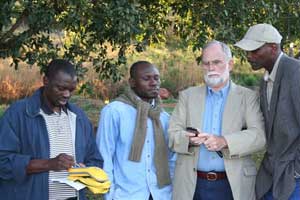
{"points": [[250, 171]]}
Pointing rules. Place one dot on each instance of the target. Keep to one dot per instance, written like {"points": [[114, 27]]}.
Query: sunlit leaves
{"points": [[80, 31], [230, 19], [102, 31]]}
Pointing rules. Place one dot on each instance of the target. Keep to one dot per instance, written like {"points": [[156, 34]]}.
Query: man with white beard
{"points": [[214, 129]]}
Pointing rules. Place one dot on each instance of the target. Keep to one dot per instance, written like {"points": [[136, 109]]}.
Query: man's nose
{"points": [[66, 93], [211, 67], [154, 82]]}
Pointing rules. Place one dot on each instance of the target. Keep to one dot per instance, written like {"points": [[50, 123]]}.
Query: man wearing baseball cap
{"points": [[279, 173]]}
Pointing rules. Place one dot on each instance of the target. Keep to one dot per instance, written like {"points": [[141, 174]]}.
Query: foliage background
{"points": [[102, 38], [35, 31]]}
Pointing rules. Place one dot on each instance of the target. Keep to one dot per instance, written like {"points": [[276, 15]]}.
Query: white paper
{"points": [[76, 185]]}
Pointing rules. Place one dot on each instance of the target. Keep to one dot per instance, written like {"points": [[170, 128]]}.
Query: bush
{"points": [[91, 107], [17, 84], [178, 69], [104, 90], [247, 79]]}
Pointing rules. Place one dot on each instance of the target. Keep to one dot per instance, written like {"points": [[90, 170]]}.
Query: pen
{"points": [[220, 153], [76, 165]]}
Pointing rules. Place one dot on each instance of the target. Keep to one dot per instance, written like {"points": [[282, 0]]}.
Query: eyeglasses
{"points": [[216, 63]]}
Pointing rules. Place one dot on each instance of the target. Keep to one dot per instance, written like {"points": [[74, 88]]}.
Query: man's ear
{"points": [[131, 83], [45, 81], [275, 48]]}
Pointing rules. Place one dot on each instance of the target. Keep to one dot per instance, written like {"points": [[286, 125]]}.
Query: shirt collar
{"points": [[222, 92], [152, 103], [271, 77]]}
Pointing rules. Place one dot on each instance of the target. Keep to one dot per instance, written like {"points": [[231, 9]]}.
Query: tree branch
{"points": [[9, 33]]}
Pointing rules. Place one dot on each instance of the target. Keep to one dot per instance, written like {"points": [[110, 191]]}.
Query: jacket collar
{"points": [[35, 103]]}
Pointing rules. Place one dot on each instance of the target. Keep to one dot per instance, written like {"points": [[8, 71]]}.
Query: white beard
{"points": [[216, 80]]}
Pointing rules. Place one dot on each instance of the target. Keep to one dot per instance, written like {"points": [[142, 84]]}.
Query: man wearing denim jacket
{"points": [[42, 136]]}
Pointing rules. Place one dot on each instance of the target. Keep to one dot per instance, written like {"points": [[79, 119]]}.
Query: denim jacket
{"points": [[24, 136]]}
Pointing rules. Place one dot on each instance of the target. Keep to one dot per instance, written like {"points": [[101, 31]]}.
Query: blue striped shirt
{"points": [[212, 123], [130, 180]]}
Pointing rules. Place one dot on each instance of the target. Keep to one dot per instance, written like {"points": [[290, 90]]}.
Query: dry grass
{"points": [[16, 84], [178, 69]]}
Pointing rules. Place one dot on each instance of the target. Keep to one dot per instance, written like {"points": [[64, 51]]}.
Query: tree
{"points": [[229, 20], [36, 31]]}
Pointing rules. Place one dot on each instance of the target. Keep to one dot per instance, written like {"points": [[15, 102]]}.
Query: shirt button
{"points": [[148, 170], [147, 141], [148, 156]]}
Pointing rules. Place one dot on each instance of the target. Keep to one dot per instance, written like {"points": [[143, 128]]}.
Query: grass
{"points": [[169, 104], [91, 107], [2, 109], [169, 110], [169, 101], [16, 84]]}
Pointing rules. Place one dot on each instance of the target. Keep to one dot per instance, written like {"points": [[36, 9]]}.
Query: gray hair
{"points": [[225, 48]]}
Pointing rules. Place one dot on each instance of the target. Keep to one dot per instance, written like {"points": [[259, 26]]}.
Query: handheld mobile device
{"points": [[195, 131], [192, 130], [220, 154]]}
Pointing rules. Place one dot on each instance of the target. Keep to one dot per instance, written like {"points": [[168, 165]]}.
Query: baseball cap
{"points": [[258, 35]]}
